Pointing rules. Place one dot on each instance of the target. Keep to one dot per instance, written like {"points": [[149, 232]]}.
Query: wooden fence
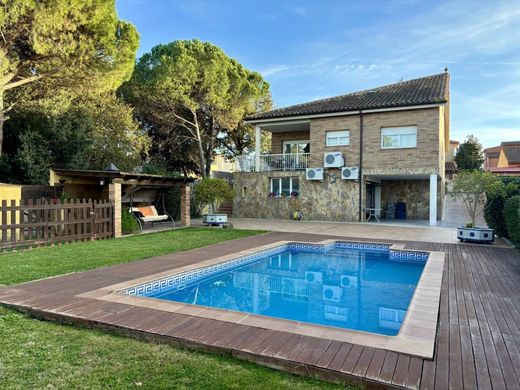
{"points": [[34, 223]]}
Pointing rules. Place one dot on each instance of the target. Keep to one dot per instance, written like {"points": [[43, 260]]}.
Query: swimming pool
{"points": [[355, 286]]}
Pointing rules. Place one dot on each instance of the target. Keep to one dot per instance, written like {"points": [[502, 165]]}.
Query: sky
{"points": [[310, 50]]}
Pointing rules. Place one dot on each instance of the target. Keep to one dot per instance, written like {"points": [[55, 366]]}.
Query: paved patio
{"points": [[377, 231], [478, 331]]}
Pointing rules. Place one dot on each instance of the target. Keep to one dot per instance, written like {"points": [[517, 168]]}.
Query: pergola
{"points": [[120, 187]]}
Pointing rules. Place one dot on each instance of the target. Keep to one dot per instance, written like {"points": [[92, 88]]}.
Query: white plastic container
{"points": [[214, 219]]}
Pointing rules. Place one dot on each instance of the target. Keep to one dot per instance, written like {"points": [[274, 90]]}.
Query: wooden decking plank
{"points": [[318, 352], [376, 364], [388, 368], [316, 345], [514, 352], [506, 365], [302, 343], [455, 358], [413, 379], [364, 362], [351, 359], [272, 344], [401, 370], [495, 371], [329, 354], [468, 365], [336, 363], [428, 375]]}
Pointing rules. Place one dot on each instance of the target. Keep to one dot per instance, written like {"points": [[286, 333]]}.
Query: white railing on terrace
{"points": [[274, 162]]}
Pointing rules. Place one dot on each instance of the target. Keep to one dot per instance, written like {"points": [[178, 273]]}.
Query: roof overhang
{"points": [[130, 178], [260, 121]]}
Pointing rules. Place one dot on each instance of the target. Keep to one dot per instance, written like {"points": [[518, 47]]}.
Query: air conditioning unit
{"points": [[314, 173], [314, 277], [332, 293], [348, 281], [350, 173], [333, 160]]}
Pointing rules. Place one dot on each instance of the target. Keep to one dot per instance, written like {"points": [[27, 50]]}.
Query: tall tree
{"points": [[90, 133], [469, 156], [192, 91], [79, 45]]}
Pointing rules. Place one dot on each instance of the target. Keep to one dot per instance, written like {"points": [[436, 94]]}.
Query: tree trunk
{"points": [[210, 147], [200, 147]]}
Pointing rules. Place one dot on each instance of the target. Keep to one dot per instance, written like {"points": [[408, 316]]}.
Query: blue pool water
{"points": [[360, 289]]}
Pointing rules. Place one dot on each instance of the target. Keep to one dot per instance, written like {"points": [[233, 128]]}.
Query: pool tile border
{"points": [[416, 336]]}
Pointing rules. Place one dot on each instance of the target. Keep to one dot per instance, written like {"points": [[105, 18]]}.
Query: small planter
{"points": [[475, 234], [214, 219]]}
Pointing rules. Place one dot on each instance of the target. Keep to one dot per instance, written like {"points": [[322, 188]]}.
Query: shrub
{"points": [[129, 224], [512, 217], [212, 192], [494, 209]]}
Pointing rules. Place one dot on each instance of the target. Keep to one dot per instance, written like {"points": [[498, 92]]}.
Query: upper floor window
{"points": [[296, 147], [337, 138], [398, 137]]}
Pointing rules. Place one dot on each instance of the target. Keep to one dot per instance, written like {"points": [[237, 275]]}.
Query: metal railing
{"points": [[274, 162]]}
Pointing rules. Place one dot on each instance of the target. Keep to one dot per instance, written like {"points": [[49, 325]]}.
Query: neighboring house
{"points": [[504, 159], [394, 139]]}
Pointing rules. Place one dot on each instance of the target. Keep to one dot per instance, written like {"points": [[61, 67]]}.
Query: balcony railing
{"points": [[274, 162]]}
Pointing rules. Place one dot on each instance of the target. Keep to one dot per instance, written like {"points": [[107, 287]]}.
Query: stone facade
{"points": [[415, 193], [320, 201]]}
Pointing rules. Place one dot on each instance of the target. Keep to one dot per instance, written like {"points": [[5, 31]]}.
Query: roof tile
{"points": [[425, 90]]}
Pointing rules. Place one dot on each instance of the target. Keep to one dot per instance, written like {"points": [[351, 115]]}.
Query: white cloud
{"points": [[272, 70]]}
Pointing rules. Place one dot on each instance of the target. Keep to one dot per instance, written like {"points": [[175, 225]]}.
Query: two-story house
{"points": [[392, 140]]}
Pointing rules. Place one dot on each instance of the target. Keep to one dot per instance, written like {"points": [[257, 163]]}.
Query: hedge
{"points": [[494, 209], [512, 217]]}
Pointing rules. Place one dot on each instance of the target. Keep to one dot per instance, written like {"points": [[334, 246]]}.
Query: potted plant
{"points": [[471, 187], [211, 193]]}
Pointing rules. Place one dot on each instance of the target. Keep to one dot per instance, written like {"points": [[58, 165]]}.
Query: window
{"points": [[337, 138], [285, 186], [298, 146], [398, 137]]}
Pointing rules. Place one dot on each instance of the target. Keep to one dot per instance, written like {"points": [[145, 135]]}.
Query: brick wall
{"points": [[185, 206], [425, 158], [114, 195], [278, 138]]}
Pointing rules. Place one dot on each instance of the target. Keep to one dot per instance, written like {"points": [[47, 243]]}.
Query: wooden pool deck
{"points": [[478, 333]]}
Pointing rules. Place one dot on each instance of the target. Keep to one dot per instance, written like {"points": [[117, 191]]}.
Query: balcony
{"points": [[273, 162]]}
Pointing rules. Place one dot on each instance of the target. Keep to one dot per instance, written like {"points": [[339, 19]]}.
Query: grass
{"points": [[42, 355], [36, 354], [40, 263]]}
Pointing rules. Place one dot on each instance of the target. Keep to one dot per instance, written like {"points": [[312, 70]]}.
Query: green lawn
{"points": [[41, 355], [44, 262]]}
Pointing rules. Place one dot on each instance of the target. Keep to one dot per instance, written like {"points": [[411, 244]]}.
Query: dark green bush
{"points": [[129, 224], [494, 209], [512, 217]]}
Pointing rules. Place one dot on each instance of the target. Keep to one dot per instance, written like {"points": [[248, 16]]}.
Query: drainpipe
{"points": [[360, 163]]}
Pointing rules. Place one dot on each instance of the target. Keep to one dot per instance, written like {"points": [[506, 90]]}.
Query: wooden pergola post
{"points": [[185, 205]]}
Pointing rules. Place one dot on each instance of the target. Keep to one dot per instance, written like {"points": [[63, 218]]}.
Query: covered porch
{"points": [[402, 197], [123, 189], [290, 148]]}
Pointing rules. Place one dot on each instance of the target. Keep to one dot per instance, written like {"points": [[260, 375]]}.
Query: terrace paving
{"points": [[478, 332]]}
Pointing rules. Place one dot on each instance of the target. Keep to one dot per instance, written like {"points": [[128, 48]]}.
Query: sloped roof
{"points": [[450, 167], [512, 151], [425, 90]]}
